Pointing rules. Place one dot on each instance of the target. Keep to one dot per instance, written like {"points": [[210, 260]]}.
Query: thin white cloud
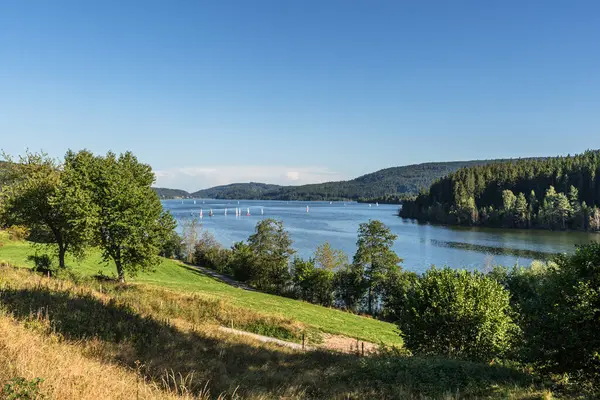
{"points": [[195, 178]]}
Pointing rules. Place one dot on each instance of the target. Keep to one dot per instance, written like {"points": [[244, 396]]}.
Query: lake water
{"points": [[420, 245]]}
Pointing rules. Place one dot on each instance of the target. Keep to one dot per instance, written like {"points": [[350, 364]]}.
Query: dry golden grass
{"points": [[67, 373]]}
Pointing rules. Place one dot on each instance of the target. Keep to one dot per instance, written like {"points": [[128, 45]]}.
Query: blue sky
{"points": [[211, 92]]}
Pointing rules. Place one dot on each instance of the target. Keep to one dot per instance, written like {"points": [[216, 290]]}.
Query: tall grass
{"points": [[100, 341]]}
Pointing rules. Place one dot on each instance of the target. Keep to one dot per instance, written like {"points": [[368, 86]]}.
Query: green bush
{"points": [[17, 232], [562, 323], [457, 314], [22, 389], [42, 263]]}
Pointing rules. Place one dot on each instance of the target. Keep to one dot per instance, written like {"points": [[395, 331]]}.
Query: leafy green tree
{"points": [[172, 247], [209, 253], [241, 262], [53, 201], [375, 257], [561, 323], [457, 314], [328, 258], [349, 287], [313, 284], [302, 273], [131, 223], [509, 201], [272, 247]]}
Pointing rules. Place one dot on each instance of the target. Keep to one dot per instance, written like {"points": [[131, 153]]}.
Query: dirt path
{"points": [[223, 278], [266, 339], [338, 343]]}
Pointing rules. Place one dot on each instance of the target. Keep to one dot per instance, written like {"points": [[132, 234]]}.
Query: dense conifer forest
{"points": [[550, 193]]}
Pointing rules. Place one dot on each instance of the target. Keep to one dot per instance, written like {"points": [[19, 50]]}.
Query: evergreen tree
{"points": [[375, 257], [521, 210]]}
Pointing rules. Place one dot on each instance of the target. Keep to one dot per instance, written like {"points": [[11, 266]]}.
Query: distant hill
{"points": [[238, 191], [166, 193], [390, 181]]}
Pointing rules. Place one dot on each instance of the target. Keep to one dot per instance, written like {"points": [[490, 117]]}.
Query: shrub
{"points": [[17, 232], [42, 263], [22, 389], [209, 253], [455, 313], [562, 322]]}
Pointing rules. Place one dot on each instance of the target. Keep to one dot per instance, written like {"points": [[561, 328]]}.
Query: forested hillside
{"points": [[238, 191], [377, 185], [550, 193], [166, 193]]}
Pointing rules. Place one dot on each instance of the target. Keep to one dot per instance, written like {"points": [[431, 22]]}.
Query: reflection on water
{"points": [[419, 245], [520, 253]]}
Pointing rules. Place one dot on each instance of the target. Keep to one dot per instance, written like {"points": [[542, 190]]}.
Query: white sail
{"points": [[377, 204], [306, 208], [225, 211], [262, 211], [248, 212], [201, 214], [194, 201]]}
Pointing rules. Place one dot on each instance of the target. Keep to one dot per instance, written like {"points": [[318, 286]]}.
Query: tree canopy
{"points": [[551, 193]]}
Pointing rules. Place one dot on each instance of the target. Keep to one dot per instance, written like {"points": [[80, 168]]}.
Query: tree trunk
{"points": [[370, 302], [61, 256], [120, 271]]}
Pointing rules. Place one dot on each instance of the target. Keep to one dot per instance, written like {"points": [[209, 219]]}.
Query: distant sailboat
{"points": [[306, 208], [181, 201], [194, 201], [225, 211], [201, 215], [210, 213], [377, 204], [331, 202], [238, 202], [262, 211], [369, 205], [248, 212]]}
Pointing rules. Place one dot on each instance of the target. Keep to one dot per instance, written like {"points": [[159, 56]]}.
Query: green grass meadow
{"points": [[174, 275]]}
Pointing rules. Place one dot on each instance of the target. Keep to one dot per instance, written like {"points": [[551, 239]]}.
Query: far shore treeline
{"points": [[389, 185], [550, 193]]}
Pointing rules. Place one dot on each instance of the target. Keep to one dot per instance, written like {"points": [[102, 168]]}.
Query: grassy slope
{"points": [[173, 275]]}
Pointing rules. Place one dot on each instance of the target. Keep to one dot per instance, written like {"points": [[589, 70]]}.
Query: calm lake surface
{"points": [[420, 245]]}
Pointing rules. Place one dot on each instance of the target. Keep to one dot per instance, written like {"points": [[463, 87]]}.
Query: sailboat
{"points": [[262, 211], [248, 212], [331, 202], [194, 201], [377, 204], [210, 213], [225, 211], [201, 214], [306, 208], [369, 205]]}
